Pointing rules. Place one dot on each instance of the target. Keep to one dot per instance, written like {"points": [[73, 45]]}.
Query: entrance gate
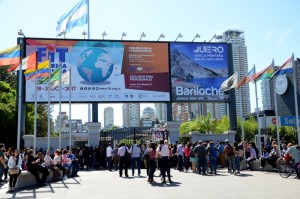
{"points": [[127, 135]]}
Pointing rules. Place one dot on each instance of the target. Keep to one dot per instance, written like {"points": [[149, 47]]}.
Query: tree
{"points": [[222, 125], [8, 114], [209, 124], [7, 77]]}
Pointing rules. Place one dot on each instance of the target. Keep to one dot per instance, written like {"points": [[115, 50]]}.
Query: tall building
{"points": [[240, 65], [148, 113], [161, 111], [108, 117], [131, 114], [266, 95]]}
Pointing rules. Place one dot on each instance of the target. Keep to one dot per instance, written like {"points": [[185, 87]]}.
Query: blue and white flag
{"points": [[78, 16]]}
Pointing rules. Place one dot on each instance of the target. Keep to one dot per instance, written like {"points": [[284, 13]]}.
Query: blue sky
{"points": [[271, 27]]}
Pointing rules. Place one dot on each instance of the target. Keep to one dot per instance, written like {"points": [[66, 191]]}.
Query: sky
{"points": [[271, 27]]}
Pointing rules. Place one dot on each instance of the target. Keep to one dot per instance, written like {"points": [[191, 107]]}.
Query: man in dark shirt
{"points": [[200, 153]]}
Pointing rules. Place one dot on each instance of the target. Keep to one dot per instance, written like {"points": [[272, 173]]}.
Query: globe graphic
{"points": [[95, 65]]}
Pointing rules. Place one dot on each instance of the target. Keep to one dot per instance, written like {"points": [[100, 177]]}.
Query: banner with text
{"points": [[104, 71], [197, 72]]}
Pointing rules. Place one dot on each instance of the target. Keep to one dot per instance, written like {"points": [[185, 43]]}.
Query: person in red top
{"points": [[187, 162]]}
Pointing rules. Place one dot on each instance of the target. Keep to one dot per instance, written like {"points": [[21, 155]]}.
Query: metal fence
{"points": [[141, 135]]}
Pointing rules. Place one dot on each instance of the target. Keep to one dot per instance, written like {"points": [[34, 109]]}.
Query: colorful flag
{"points": [[286, 68], [54, 76], [265, 73], [10, 56], [64, 80], [246, 79], [78, 16], [43, 71], [28, 63], [230, 83]]}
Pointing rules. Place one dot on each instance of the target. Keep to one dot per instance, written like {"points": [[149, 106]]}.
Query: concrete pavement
{"points": [[105, 184]]}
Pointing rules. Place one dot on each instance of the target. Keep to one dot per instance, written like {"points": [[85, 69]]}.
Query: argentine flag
{"points": [[78, 16]]}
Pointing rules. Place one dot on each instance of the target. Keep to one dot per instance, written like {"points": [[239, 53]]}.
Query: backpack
{"points": [[213, 151], [229, 150]]}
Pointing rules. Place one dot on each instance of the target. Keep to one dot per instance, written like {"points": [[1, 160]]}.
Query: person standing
{"points": [[211, 150], [187, 162], [221, 152], [116, 157], [109, 154], [180, 151], [230, 156], [163, 151], [152, 156], [122, 152], [2, 162], [200, 153], [135, 152], [14, 162]]}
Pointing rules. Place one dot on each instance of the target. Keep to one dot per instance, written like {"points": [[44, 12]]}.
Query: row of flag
{"points": [[252, 76], [41, 72]]}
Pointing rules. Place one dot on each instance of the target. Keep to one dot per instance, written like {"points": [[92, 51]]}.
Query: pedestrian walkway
{"points": [[105, 184]]}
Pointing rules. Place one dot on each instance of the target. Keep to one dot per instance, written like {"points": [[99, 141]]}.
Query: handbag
{"points": [[13, 171], [16, 170]]}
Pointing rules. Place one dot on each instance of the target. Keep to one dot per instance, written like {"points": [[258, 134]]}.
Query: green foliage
{"points": [[9, 78], [8, 114], [222, 125], [129, 142], [113, 127]]}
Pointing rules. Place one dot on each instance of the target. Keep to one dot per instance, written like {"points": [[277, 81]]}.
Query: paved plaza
{"points": [[105, 184]]}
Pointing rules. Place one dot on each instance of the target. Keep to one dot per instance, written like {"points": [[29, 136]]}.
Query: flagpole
{"points": [[89, 36], [257, 119], [277, 120], [296, 97], [19, 107], [70, 103], [49, 88], [35, 113], [242, 123], [60, 115]]}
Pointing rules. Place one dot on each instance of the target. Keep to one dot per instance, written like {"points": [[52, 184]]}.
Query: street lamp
{"points": [[142, 35], [213, 37], [179, 36], [20, 33], [123, 35], [196, 36], [104, 34], [84, 34], [161, 36]]}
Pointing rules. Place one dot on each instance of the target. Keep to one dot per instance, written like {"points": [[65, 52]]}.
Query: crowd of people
{"points": [[202, 157]]}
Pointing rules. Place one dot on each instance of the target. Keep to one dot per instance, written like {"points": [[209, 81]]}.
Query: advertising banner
{"points": [[197, 71], [104, 71]]}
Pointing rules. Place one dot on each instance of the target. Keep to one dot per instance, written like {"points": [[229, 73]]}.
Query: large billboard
{"points": [[103, 71], [197, 71]]}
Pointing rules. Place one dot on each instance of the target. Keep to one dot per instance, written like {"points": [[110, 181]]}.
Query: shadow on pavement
{"points": [[158, 184]]}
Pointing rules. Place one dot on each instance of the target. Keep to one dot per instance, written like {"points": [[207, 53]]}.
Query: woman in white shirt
{"points": [[50, 165], [14, 162]]}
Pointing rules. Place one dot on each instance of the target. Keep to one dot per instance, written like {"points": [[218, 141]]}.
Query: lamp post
{"points": [[123, 35], [142, 35], [161, 36], [104, 34], [179, 36], [196, 36], [213, 37], [20, 33]]}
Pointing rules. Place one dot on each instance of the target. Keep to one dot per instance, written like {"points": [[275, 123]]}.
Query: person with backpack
{"points": [[230, 156], [211, 150], [200, 153]]}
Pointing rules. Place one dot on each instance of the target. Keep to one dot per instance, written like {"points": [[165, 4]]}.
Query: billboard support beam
{"points": [[232, 106]]}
